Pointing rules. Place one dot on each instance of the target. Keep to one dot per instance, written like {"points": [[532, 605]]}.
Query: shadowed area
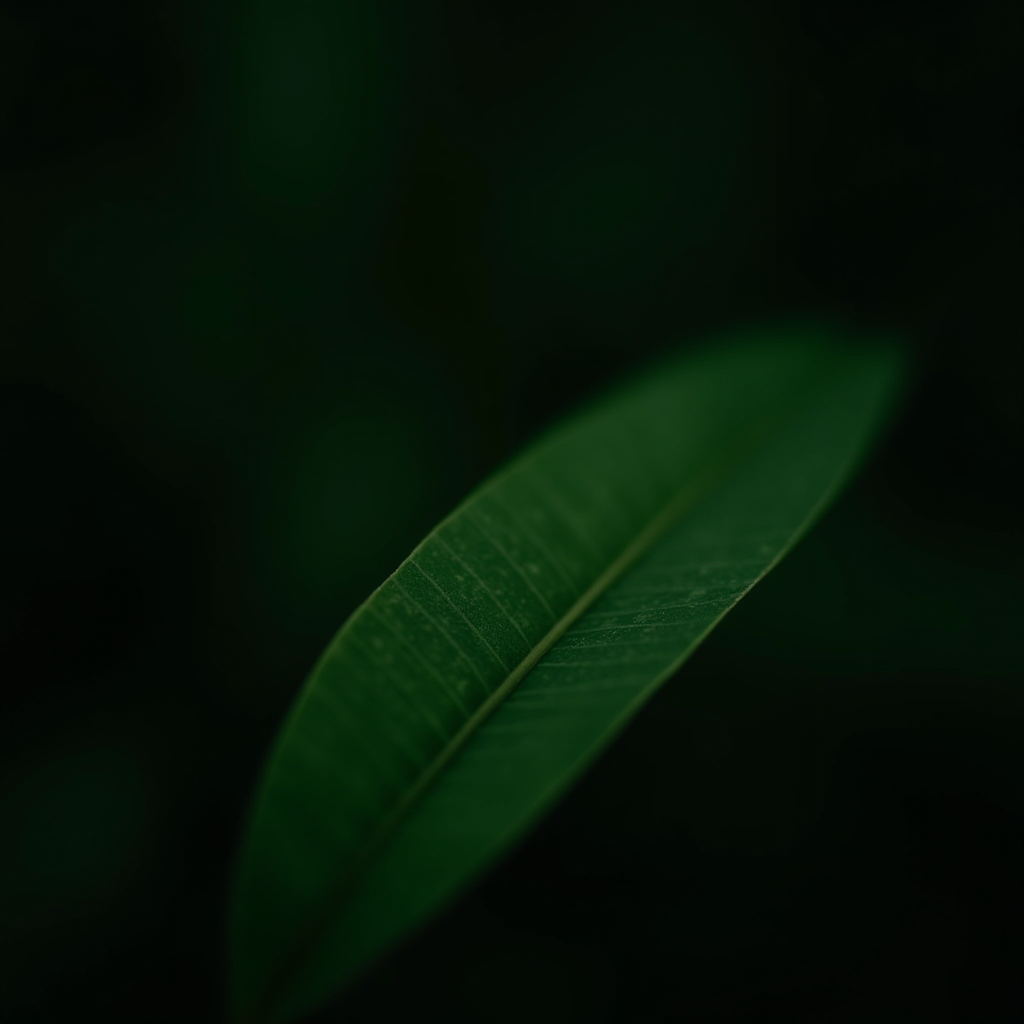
{"points": [[282, 282]]}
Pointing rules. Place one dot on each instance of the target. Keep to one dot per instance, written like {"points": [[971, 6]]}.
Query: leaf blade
{"points": [[587, 520]]}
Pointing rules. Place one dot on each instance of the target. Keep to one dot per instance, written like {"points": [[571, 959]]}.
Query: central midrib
{"points": [[686, 498]]}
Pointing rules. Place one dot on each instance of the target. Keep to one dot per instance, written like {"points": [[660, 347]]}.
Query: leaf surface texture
{"points": [[483, 676]]}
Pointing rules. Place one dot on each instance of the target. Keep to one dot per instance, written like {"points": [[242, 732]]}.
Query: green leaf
{"points": [[482, 677]]}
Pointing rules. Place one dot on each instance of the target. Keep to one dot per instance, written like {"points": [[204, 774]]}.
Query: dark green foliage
{"points": [[478, 681]]}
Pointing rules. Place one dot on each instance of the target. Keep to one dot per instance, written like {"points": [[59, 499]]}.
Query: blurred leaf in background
{"points": [[273, 273]]}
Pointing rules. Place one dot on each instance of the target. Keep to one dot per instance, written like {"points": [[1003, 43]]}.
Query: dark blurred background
{"points": [[281, 282]]}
